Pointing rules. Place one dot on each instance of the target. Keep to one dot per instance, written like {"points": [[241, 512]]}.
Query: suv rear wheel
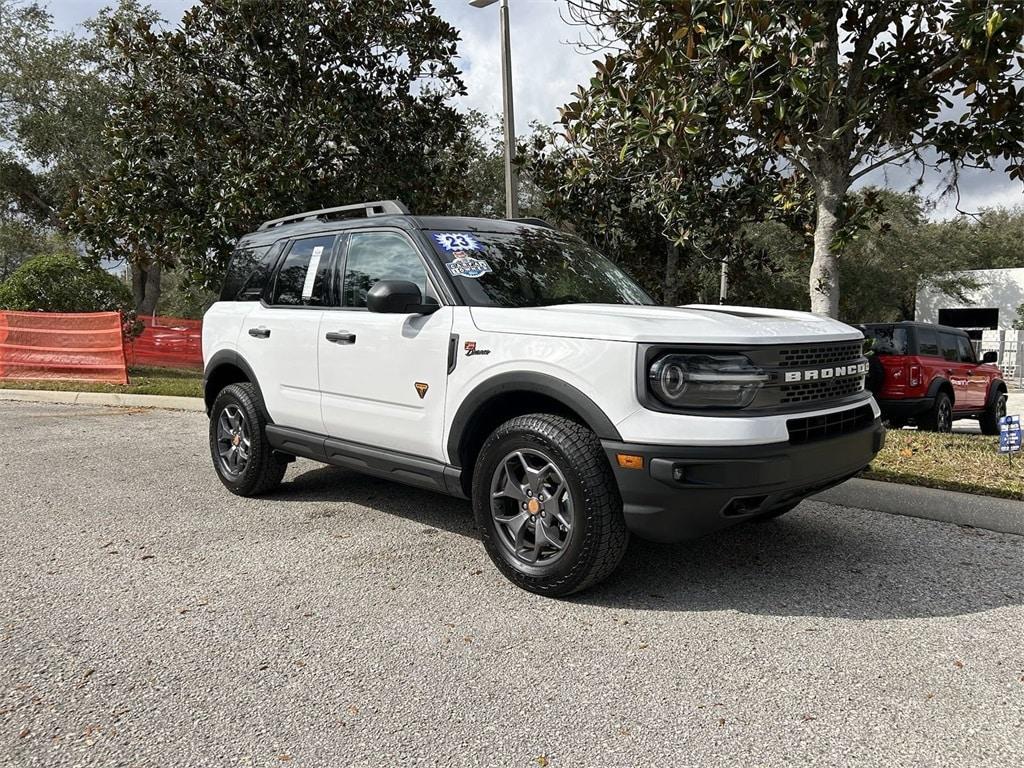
{"points": [[989, 420], [940, 417], [547, 506], [243, 458]]}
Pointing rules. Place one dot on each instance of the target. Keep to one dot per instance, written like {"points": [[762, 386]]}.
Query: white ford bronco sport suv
{"points": [[513, 365]]}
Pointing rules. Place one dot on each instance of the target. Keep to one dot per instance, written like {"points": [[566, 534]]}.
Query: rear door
{"points": [[384, 376], [279, 336]]}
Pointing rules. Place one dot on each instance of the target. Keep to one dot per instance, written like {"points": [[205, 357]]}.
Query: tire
{"points": [[526, 538], [237, 420], [940, 417], [989, 420]]}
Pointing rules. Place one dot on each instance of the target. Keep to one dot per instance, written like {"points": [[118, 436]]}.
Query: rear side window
{"points": [[887, 340], [303, 278], [247, 274], [950, 346], [928, 342]]}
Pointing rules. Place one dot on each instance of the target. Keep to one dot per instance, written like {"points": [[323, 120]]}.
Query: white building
{"points": [[993, 306], [987, 314]]}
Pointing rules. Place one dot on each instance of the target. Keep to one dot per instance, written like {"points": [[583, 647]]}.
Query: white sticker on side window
{"points": [[311, 271]]}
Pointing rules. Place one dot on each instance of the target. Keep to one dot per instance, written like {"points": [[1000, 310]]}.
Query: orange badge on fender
{"points": [[421, 389]]}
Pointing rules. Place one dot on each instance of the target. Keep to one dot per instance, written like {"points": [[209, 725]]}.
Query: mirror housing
{"points": [[990, 357], [399, 297]]}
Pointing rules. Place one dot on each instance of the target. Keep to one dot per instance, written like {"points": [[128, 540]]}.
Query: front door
{"points": [[977, 389], [956, 371], [279, 336], [383, 376]]}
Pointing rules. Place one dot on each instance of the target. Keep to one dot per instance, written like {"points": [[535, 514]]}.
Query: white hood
{"points": [[693, 324]]}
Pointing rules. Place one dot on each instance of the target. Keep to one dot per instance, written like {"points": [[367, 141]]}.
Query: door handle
{"points": [[341, 337], [259, 333]]}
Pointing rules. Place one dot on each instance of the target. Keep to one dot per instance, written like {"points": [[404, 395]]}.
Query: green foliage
{"points": [[54, 100], [1018, 323], [62, 282], [236, 117], [182, 297], [719, 112]]}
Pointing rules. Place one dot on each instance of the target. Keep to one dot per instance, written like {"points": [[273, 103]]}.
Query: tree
{"points": [[236, 117], [712, 92], [63, 282]]}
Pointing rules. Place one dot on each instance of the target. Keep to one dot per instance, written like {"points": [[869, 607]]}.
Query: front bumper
{"points": [[685, 492]]}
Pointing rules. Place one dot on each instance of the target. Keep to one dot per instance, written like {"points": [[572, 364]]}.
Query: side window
{"points": [[302, 280], [928, 342], [966, 350], [374, 256], [950, 349], [247, 273]]}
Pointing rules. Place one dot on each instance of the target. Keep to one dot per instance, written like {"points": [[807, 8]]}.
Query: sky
{"points": [[547, 68]]}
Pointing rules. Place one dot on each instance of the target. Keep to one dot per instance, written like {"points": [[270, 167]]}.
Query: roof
{"points": [[914, 324], [384, 213]]}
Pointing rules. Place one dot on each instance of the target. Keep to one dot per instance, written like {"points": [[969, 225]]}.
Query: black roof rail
{"points": [[377, 208], [532, 220]]}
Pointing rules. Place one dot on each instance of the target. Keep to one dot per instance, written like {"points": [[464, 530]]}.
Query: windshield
{"points": [[531, 268], [887, 340]]}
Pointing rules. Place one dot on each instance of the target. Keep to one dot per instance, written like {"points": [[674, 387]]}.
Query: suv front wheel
{"points": [[989, 420], [243, 458], [547, 506]]}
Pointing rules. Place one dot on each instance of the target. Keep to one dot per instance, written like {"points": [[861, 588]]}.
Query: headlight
{"points": [[705, 381]]}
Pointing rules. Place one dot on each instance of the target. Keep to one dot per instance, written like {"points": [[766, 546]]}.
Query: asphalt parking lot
{"points": [[149, 618]]}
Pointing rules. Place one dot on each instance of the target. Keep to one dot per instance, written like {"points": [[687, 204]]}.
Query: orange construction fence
{"points": [[44, 345], [172, 342]]}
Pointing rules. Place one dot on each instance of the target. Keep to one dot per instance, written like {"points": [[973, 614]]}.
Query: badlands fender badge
{"points": [[471, 349], [421, 389]]}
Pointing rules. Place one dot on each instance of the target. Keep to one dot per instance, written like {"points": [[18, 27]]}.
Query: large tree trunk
{"points": [[824, 282], [670, 294], [146, 287]]}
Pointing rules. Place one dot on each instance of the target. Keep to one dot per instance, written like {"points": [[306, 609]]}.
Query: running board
{"points": [[378, 462]]}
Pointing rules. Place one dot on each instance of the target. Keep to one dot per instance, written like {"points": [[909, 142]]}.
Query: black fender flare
{"points": [[995, 387], [533, 383], [227, 357], [937, 384]]}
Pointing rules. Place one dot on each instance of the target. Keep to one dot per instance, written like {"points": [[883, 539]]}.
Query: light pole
{"points": [[511, 180]]}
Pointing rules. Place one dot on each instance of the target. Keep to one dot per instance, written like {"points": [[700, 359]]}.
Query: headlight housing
{"points": [[686, 381]]}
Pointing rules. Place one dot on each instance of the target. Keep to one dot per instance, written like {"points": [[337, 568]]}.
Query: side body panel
{"points": [[285, 362], [371, 386], [222, 324]]}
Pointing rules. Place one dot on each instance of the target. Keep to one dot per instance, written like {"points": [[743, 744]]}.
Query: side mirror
{"points": [[990, 357], [399, 297]]}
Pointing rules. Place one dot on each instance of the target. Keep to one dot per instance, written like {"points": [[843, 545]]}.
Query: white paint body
{"points": [[366, 391]]}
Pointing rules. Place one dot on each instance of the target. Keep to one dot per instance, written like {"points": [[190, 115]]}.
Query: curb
{"points": [[987, 512], [104, 398]]}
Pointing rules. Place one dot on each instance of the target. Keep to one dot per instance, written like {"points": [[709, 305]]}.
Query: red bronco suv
{"points": [[929, 375]]}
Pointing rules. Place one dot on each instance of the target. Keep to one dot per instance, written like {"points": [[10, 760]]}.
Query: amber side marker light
{"points": [[628, 461]]}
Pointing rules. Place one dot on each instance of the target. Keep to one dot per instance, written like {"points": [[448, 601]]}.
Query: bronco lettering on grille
{"points": [[839, 371]]}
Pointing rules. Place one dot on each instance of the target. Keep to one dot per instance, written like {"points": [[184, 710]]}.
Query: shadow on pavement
{"points": [[817, 561]]}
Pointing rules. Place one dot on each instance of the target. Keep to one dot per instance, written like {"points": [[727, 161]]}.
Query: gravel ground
{"points": [[149, 618]]}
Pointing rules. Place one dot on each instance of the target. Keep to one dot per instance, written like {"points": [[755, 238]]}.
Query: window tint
{"points": [[950, 349], [374, 256], [302, 279], [247, 274], [928, 342], [886, 340], [965, 349]]}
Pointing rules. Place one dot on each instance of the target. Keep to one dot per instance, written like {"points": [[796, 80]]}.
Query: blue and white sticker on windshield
{"points": [[464, 265], [457, 241]]}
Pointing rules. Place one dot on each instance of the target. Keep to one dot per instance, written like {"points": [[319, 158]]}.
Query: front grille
{"points": [[815, 428], [829, 389], [813, 355]]}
